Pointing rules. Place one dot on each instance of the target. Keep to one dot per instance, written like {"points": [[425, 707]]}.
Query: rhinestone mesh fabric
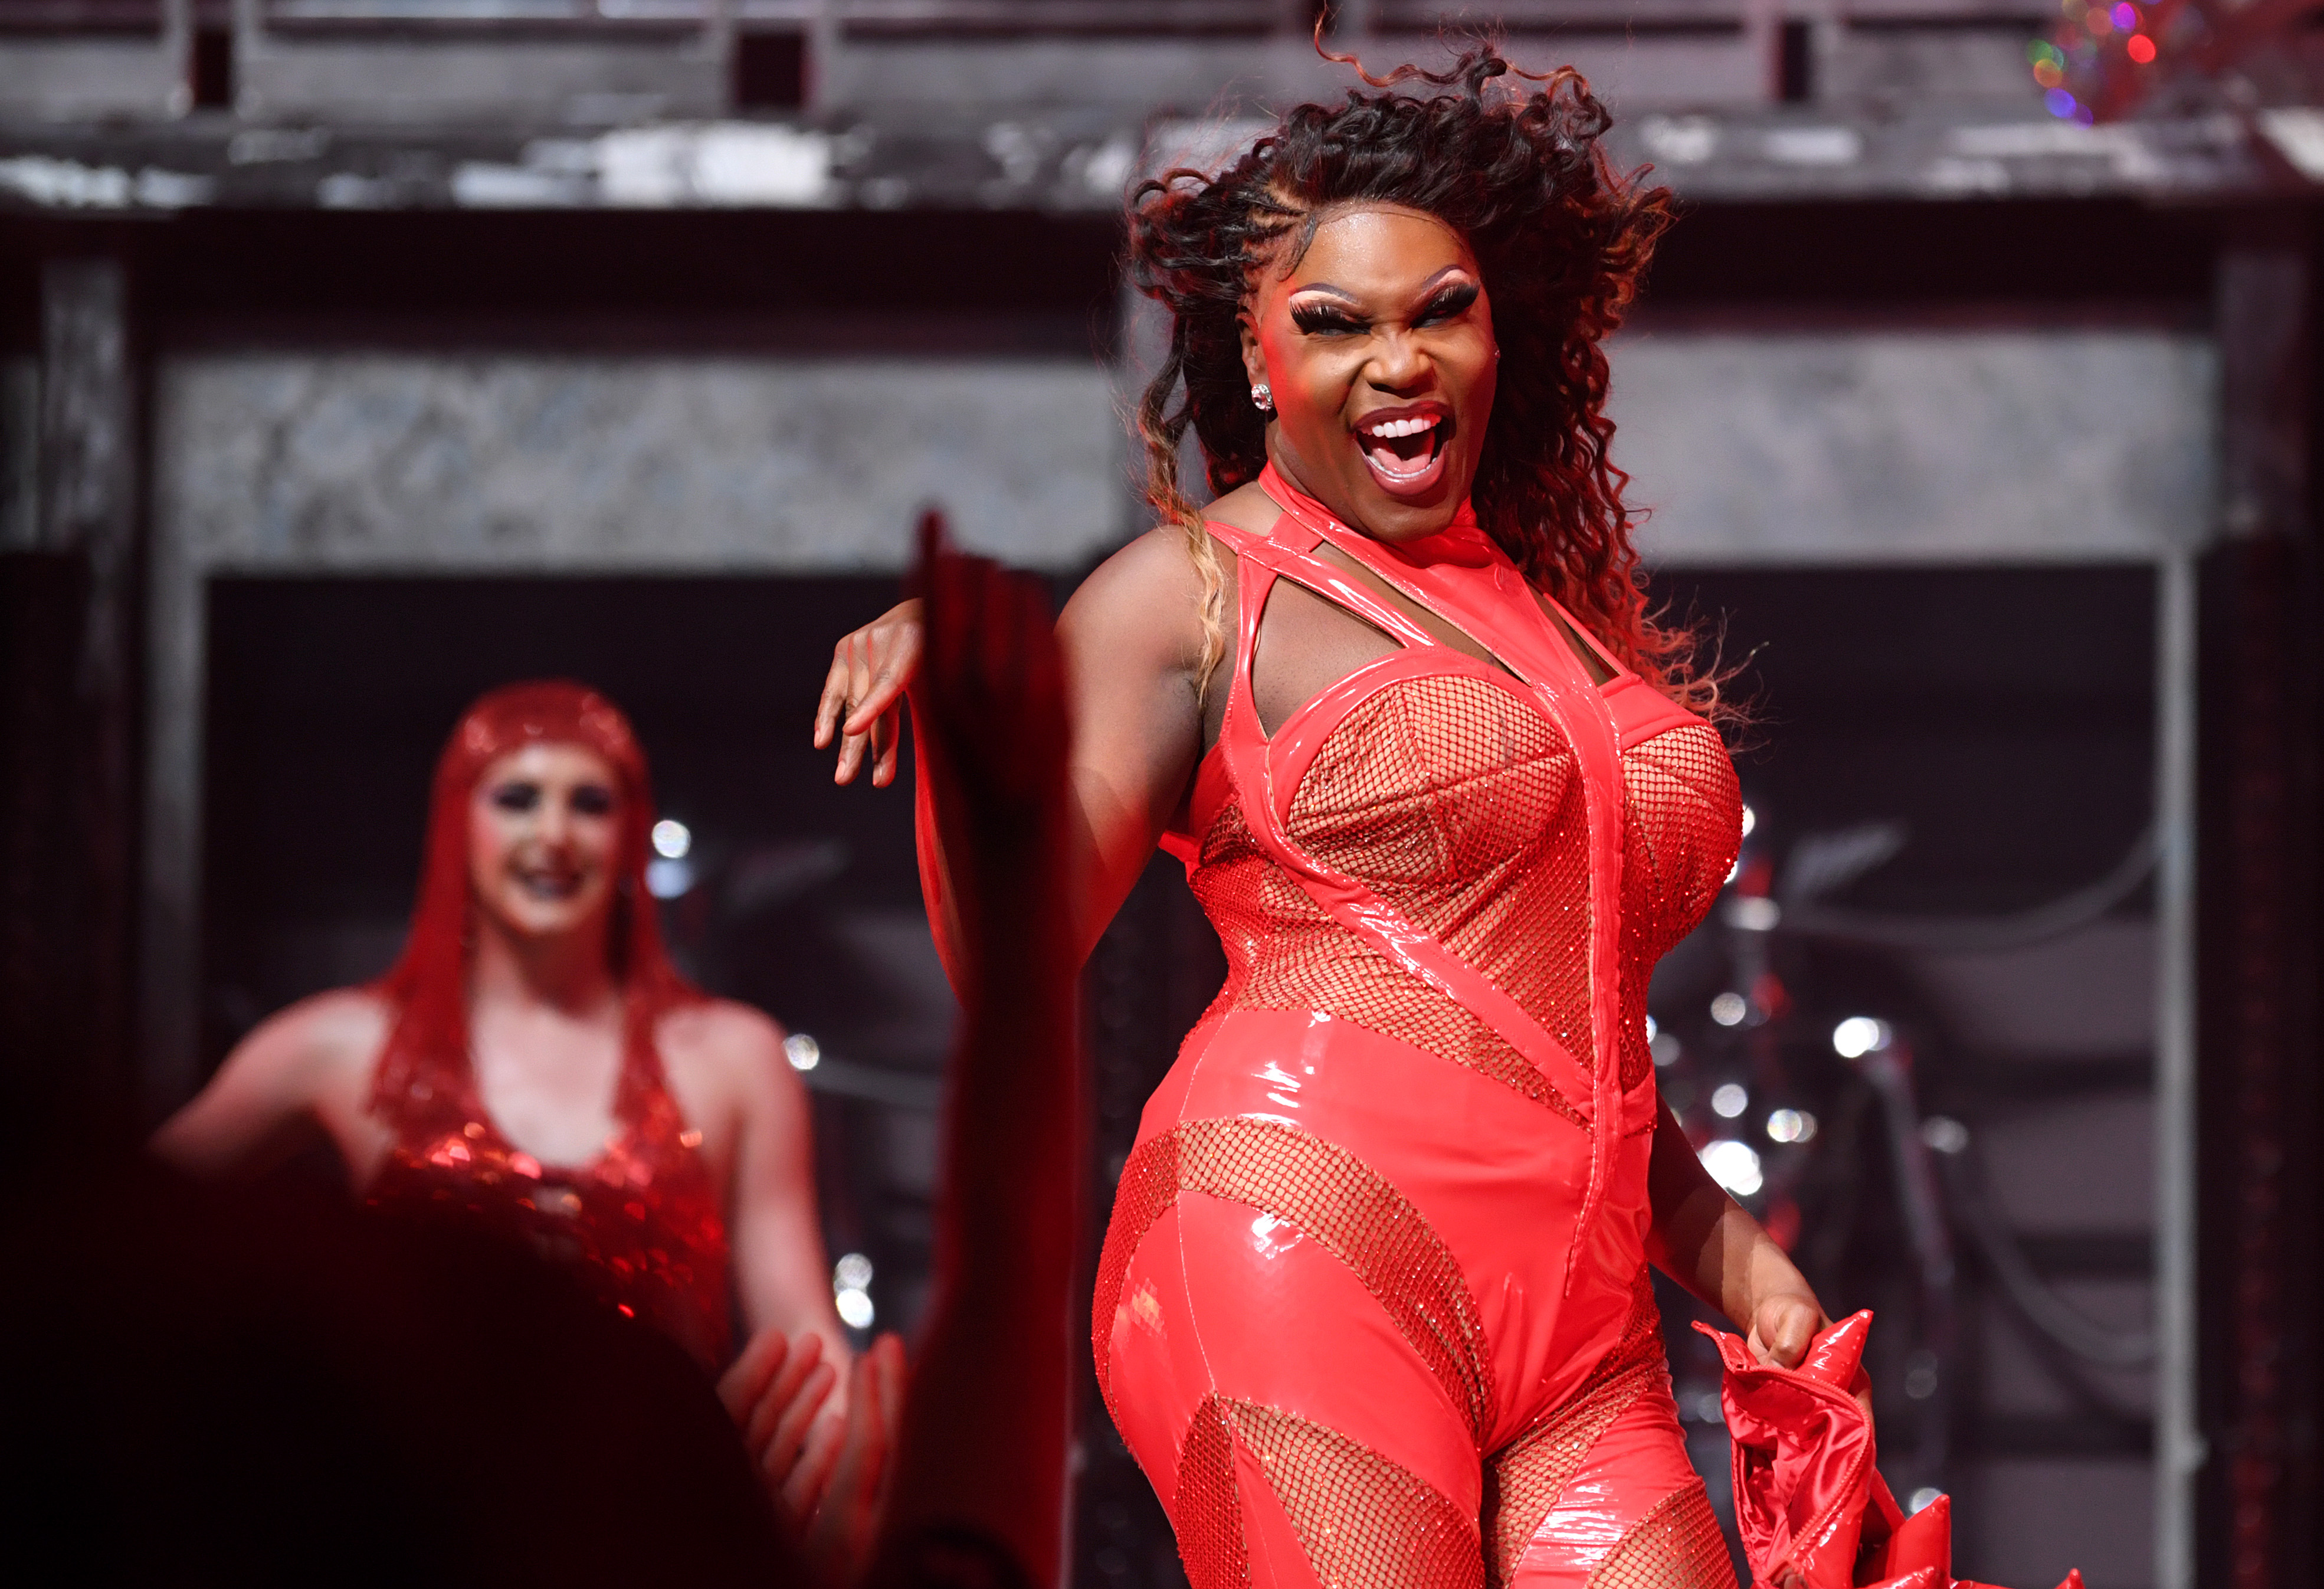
{"points": [[1522, 921], [1682, 812], [1206, 1511], [1460, 807], [1333, 1199], [1676, 1546], [1523, 1480], [1283, 952], [1365, 1521]]}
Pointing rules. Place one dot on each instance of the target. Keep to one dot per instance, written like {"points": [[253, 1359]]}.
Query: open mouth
{"points": [[1404, 449], [548, 884]]}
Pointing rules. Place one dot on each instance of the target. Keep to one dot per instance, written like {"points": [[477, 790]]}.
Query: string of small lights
{"points": [[2099, 61], [2104, 57]]}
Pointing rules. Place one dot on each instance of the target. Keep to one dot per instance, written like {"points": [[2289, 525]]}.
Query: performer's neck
{"points": [[568, 971]]}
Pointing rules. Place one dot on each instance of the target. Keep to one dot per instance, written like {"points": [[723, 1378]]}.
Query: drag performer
{"points": [[1374, 1306], [534, 1061]]}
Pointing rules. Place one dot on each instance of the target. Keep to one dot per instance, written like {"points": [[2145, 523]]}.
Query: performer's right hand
{"points": [[862, 694]]}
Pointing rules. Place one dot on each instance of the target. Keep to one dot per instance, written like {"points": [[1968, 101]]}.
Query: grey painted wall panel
{"points": [[2026, 1520], [1917, 447], [88, 78], [1855, 447], [2074, 1167], [330, 462], [449, 81], [2089, 995], [2015, 1372]]}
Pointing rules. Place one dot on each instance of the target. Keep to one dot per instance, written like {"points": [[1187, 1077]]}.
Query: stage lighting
{"points": [[1860, 1035]]}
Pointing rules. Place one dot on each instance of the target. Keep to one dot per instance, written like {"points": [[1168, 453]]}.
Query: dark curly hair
{"points": [[1512, 162]]}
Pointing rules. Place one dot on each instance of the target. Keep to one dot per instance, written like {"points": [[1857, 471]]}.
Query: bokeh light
{"points": [[1733, 1165]]}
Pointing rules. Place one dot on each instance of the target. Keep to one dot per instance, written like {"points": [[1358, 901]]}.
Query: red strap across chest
{"points": [[1470, 584]]}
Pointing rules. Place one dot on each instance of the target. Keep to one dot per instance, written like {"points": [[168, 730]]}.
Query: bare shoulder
{"points": [[310, 1062], [722, 1039], [1147, 599], [323, 1038], [1247, 508], [1157, 566]]}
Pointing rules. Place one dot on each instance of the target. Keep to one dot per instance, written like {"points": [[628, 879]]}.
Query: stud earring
{"points": [[1262, 397]]}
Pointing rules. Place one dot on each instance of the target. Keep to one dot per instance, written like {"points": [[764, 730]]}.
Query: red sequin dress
{"points": [[1373, 1308], [639, 1225]]}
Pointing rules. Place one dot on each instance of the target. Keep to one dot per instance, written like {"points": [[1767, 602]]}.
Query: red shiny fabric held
{"points": [[1373, 1307], [1813, 1509], [640, 1224]]}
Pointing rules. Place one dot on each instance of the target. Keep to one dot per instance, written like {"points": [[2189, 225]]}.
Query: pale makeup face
{"points": [[1378, 347], [544, 839]]}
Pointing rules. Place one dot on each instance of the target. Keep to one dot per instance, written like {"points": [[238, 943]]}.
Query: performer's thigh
{"points": [[1634, 1515], [1292, 1431]]}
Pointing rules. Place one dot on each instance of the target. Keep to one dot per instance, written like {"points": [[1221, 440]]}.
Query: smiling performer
{"points": [[1374, 1306], [533, 1060]]}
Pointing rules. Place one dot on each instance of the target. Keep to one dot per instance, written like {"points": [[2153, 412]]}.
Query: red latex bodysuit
{"points": [[642, 1223], [1373, 1307]]}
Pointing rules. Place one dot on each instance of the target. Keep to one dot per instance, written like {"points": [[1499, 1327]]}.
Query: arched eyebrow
{"points": [[1427, 288]]}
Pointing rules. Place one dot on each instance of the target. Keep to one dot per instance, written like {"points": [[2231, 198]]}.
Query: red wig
{"points": [[424, 1076]]}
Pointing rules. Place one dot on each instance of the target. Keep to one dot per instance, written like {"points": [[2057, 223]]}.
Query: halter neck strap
{"points": [[1463, 542]]}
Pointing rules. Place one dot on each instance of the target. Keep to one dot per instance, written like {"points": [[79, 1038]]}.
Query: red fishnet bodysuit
{"points": [[642, 1223], [1373, 1308]]}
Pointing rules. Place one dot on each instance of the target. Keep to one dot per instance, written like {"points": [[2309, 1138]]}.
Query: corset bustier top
{"points": [[1440, 786]]}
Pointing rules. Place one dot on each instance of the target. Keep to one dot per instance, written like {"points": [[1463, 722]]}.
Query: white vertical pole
{"points": [[176, 645], [2178, 1451]]}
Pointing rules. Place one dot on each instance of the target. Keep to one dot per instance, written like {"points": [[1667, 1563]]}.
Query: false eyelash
{"points": [[1313, 319], [1452, 301]]}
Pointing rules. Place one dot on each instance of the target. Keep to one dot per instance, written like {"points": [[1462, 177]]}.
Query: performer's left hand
{"points": [[1785, 1325], [1782, 1326]]}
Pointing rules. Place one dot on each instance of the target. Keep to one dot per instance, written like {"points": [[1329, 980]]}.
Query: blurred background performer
{"points": [[534, 1062], [1376, 1270]]}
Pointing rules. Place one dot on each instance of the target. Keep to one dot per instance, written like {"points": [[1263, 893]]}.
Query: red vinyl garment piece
{"points": [[1372, 1310], [1813, 1510]]}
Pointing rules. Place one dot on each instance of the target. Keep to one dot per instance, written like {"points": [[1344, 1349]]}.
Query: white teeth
{"points": [[1391, 429]]}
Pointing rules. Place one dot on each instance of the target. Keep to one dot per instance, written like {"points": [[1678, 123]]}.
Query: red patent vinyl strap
{"points": [[1641, 711]]}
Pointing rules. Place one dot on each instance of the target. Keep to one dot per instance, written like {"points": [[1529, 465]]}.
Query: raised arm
{"points": [[1130, 643], [982, 1463]]}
